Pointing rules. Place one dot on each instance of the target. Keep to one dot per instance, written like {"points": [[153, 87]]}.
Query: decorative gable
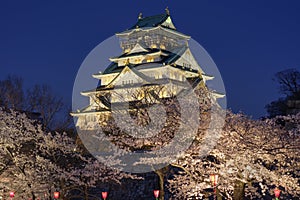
{"points": [[187, 60], [126, 76], [138, 48], [168, 23]]}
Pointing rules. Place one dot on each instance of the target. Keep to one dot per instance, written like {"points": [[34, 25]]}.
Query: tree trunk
{"points": [[33, 196], [218, 196], [161, 175], [49, 191], [62, 189], [161, 184], [86, 195], [239, 190]]}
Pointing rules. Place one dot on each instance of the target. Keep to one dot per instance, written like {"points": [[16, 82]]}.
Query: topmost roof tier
{"points": [[153, 23]]}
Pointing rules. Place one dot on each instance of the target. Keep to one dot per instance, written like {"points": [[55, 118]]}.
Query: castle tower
{"points": [[155, 64]]}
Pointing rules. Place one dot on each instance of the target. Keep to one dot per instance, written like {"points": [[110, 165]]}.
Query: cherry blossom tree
{"points": [[153, 123], [252, 157], [35, 163]]}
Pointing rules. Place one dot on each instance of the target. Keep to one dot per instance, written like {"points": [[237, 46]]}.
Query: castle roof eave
{"points": [[82, 113], [130, 31], [115, 59], [114, 68], [148, 81], [88, 92], [207, 77], [217, 95]]}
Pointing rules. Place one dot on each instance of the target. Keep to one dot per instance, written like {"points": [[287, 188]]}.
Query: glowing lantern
{"points": [[11, 194], [156, 193], [277, 193], [56, 195], [104, 195]]}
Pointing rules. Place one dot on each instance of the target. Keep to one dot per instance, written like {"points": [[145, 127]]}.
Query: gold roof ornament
{"points": [[140, 16], [167, 10], [127, 62]]}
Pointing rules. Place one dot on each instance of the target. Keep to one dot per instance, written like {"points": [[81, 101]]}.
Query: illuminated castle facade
{"points": [[155, 58]]}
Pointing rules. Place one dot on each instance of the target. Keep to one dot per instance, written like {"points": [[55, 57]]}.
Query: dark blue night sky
{"points": [[46, 41]]}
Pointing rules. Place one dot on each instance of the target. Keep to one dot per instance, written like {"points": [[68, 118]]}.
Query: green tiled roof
{"points": [[113, 66], [151, 21], [175, 54], [138, 53], [171, 58]]}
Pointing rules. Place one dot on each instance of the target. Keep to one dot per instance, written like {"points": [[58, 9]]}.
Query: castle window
{"points": [[127, 82], [150, 59], [186, 65], [153, 46], [152, 75], [138, 60]]}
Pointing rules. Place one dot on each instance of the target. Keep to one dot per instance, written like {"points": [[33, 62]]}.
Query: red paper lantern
{"points": [[56, 195], [104, 195], [277, 192], [11, 194], [156, 193]]}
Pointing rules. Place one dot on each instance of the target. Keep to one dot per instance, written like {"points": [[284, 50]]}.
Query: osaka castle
{"points": [[155, 64]]}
